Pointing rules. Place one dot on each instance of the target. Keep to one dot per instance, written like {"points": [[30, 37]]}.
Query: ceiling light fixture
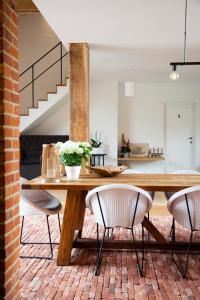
{"points": [[129, 88], [174, 74]]}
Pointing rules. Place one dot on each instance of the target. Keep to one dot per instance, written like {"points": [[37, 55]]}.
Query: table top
{"points": [[150, 182]]}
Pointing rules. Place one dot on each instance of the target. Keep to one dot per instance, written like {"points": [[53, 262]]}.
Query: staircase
{"points": [[39, 108], [35, 113]]}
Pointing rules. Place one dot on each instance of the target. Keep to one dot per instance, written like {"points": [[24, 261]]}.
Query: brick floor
{"points": [[43, 279]]}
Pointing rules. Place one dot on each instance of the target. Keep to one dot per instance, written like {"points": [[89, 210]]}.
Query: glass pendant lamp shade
{"points": [[174, 75], [129, 89]]}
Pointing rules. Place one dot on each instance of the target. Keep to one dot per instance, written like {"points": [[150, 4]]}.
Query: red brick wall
{"points": [[9, 151]]}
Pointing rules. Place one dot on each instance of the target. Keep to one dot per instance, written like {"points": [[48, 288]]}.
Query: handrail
{"points": [[43, 72], [40, 58], [31, 67]]}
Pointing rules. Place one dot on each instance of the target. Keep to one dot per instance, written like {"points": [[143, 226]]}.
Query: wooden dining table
{"points": [[74, 213]]}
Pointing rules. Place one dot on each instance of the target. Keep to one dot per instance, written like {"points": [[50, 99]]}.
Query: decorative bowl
{"points": [[107, 171]]}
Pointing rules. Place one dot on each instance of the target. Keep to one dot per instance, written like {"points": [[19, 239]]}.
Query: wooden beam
{"points": [[79, 91], [25, 6]]}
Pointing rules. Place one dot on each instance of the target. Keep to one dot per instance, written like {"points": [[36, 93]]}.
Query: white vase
{"points": [[73, 172]]}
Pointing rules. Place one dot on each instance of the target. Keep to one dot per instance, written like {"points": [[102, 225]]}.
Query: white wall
{"points": [[141, 118], [104, 116], [55, 121], [35, 39]]}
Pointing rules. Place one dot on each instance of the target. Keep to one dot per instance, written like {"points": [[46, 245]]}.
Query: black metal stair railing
{"points": [[32, 68]]}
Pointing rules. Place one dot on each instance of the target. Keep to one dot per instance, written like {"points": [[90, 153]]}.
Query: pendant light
{"points": [[174, 74], [129, 89]]}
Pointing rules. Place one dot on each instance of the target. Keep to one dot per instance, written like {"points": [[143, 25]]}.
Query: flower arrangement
{"points": [[125, 147], [96, 141], [74, 153]]}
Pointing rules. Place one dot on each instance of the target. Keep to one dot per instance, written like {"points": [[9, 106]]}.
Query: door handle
{"points": [[190, 138]]}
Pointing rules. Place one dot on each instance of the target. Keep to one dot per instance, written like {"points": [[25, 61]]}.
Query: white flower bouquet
{"points": [[74, 153]]}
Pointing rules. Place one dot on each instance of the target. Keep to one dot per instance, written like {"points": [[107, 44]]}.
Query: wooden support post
{"points": [[79, 91]]}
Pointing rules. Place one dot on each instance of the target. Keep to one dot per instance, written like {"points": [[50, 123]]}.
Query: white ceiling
{"points": [[129, 39]]}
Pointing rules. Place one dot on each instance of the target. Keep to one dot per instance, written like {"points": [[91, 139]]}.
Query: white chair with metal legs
{"points": [[38, 202], [119, 205], [185, 209]]}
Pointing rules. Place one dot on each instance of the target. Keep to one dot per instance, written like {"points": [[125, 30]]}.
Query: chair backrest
{"points": [[177, 206], [185, 172], [120, 204], [30, 199]]}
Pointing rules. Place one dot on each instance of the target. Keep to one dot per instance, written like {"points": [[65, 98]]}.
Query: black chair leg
{"points": [[99, 249], [49, 233], [59, 223], [139, 266], [142, 245], [182, 270], [38, 243], [109, 233], [148, 234], [22, 226]]}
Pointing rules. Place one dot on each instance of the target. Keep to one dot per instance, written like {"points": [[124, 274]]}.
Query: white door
{"points": [[179, 136]]}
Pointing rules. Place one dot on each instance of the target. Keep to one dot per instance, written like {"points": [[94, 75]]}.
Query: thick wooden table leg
{"points": [[73, 219], [154, 231]]}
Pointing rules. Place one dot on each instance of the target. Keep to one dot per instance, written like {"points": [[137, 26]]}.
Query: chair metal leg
{"points": [[182, 270], [22, 230], [98, 263], [109, 233], [110, 237], [139, 266], [97, 242], [148, 234], [49, 233], [173, 237], [59, 223], [38, 243], [170, 234], [142, 245]]}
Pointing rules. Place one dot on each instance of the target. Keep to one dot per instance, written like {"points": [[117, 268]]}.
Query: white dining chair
{"points": [[185, 209], [38, 202], [119, 205]]}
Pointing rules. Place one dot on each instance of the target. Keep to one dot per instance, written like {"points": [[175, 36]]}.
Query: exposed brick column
{"points": [[9, 152]]}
